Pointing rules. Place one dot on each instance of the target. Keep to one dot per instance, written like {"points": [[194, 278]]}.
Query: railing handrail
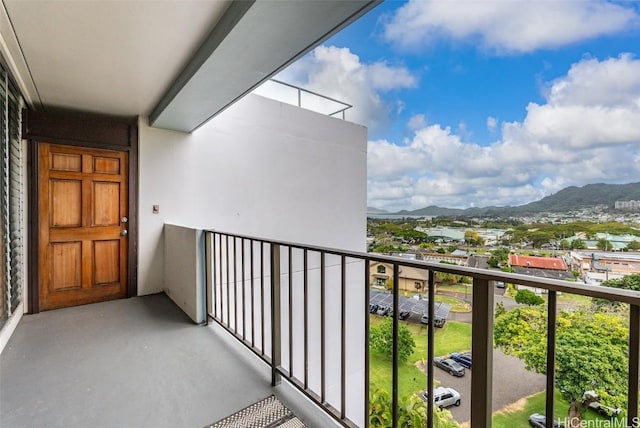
{"points": [[346, 107], [224, 254], [598, 291]]}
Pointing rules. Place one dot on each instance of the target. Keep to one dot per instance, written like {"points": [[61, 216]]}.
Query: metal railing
{"points": [[316, 102], [281, 299]]}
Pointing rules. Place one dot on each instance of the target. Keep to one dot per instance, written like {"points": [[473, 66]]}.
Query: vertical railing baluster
{"points": [[228, 283], [252, 285], [235, 285], [343, 335], [394, 377], [209, 274], [634, 356], [430, 345], [243, 279], [551, 358], [367, 298], [482, 353], [262, 344], [322, 328], [290, 304], [276, 336], [306, 317]]}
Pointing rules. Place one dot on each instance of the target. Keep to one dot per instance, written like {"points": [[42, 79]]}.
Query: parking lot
{"points": [[511, 381]]}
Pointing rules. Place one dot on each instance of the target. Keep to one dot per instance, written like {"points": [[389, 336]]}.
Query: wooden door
{"points": [[83, 199]]}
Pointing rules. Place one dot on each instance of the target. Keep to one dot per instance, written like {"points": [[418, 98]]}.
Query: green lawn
{"points": [[519, 415], [457, 305], [454, 337], [454, 288]]}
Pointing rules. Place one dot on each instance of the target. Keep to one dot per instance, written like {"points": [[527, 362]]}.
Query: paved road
{"points": [[511, 381]]}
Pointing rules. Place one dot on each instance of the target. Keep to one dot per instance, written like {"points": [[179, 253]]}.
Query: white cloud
{"points": [[507, 26], [492, 123], [417, 121], [588, 130], [340, 74]]}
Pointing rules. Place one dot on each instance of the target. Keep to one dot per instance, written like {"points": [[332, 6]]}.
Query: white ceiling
{"points": [[179, 61], [115, 57]]}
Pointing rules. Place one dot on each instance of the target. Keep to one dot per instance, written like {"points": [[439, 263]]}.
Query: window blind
{"points": [[11, 195]]}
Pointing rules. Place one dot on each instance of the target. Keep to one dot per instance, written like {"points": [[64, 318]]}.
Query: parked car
{"points": [[373, 309], [438, 322], [404, 315], [464, 359], [383, 310], [448, 365], [443, 397], [594, 402], [540, 421]]}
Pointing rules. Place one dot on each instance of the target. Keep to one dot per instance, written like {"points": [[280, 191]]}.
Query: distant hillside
{"points": [[568, 199], [373, 210], [572, 198]]}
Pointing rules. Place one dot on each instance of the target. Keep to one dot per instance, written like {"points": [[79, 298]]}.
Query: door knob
{"points": [[124, 232], [124, 219]]}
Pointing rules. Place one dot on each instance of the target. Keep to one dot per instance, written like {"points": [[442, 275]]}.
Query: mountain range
{"points": [[568, 199]]}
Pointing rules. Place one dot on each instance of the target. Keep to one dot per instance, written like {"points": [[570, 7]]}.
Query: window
{"points": [[382, 269], [381, 282], [11, 198]]}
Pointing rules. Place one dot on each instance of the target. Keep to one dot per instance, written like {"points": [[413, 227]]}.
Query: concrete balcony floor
{"points": [[136, 362]]}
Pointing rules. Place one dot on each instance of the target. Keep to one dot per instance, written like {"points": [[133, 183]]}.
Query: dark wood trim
{"points": [[33, 275], [83, 130]]}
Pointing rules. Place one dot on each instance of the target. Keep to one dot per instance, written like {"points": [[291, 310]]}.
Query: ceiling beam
{"points": [[252, 41]]}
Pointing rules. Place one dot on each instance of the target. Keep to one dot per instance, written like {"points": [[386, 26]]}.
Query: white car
{"points": [[443, 397]]}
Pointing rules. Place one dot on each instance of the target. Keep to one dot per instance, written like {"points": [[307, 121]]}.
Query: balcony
{"points": [[285, 318]]}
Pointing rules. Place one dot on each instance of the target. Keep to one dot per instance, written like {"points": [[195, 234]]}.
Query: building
{"points": [[409, 279], [627, 205], [600, 266], [535, 262]]}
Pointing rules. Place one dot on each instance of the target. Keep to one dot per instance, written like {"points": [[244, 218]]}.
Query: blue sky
{"points": [[477, 103]]}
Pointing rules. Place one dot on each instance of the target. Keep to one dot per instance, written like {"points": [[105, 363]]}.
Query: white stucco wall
{"points": [[260, 168], [271, 170]]}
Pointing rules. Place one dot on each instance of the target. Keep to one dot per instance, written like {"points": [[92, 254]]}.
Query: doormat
{"points": [[267, 413]]}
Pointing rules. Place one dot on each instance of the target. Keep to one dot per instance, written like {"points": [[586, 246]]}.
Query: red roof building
{"points": [[553, 263]]}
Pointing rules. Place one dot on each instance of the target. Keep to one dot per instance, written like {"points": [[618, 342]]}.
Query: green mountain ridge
{"points": [[568, 199]]}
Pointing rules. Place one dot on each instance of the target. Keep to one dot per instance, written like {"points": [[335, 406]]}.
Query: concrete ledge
{"points": [[184, 270], [10, 326]]}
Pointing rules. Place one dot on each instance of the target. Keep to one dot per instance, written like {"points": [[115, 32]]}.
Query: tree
{"points": [[578, 244], [564, 244], [493, 262], [472, 237], [628, 282], [389, 284], [582, 339], [604, 245], [412, 412], [502, 254], [633, 246], [528, 297], [381, 340]]}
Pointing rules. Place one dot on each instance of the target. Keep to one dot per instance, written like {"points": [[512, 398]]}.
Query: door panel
{"points": [[66, 203], [106, 266], [83, 198], [106, 204], [66, 260]]}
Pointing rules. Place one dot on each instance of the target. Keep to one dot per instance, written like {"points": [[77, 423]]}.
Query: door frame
{"points": [[81, 130]]}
